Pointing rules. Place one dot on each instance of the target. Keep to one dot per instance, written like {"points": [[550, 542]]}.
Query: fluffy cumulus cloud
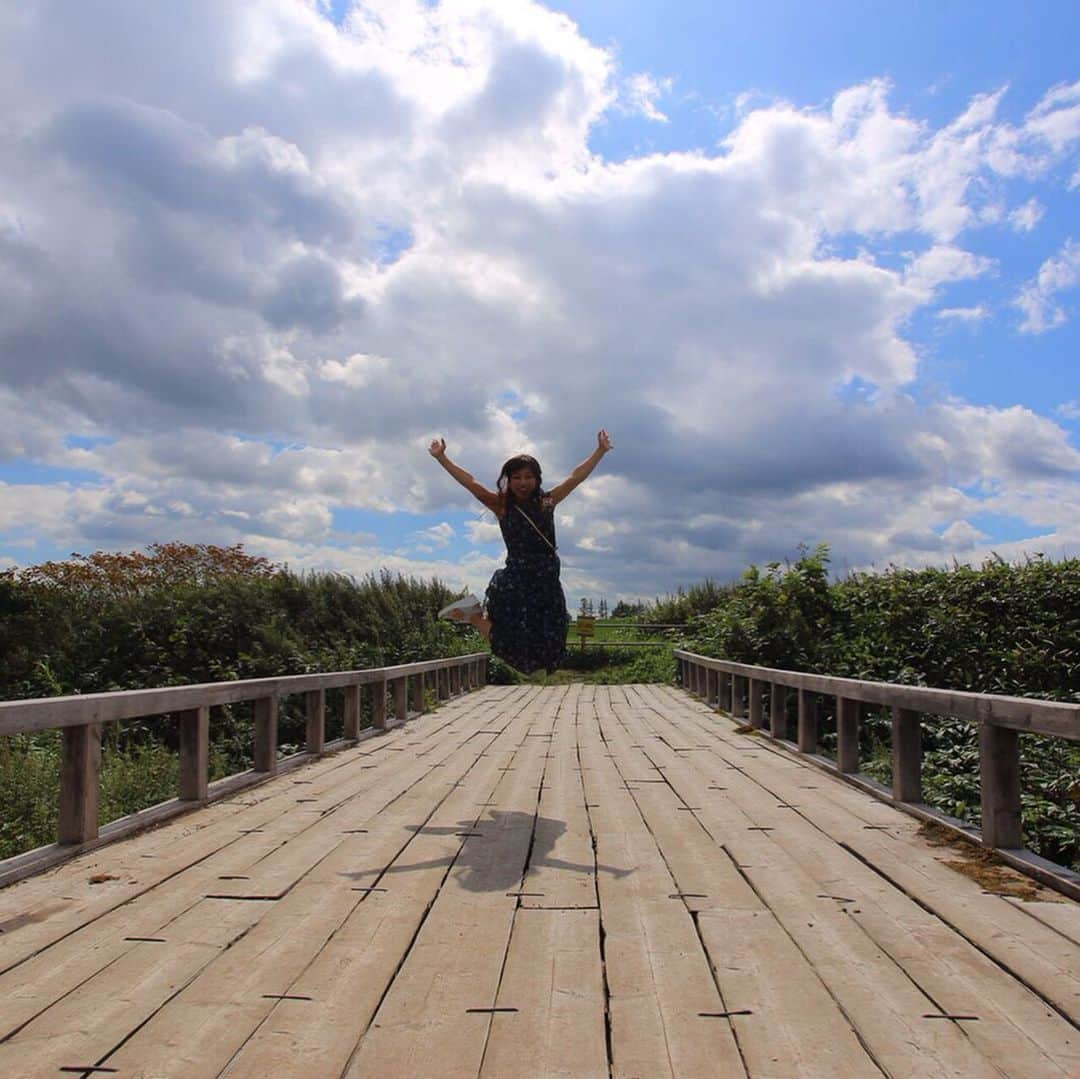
{"points": [[251, 262]]}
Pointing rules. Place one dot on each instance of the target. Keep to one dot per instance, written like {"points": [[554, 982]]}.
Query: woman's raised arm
{"points": [[603, 445], [437, 449]]}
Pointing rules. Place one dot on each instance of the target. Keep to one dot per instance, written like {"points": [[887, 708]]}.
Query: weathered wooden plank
{"points": [[87, 1022], [561, 860], [790, 1024], [812, 885], [235, 834], [426, 1014], [657, 971], [554, 982], [198, 1031], [967, 925], [329, 1005]]}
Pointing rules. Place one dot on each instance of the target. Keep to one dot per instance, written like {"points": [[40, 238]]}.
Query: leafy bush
{"points": [[1002, 628], [178, 615]]}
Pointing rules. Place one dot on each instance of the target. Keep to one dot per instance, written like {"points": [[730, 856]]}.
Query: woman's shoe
{"points": [[462, 609]]}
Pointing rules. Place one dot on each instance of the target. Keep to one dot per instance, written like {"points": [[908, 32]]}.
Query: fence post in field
{"points": [[907, 755], [999, 774], [352, 712], [80, 770], [315, 711], [266, 735], [194, 724], [808, 721], [847, 734]]}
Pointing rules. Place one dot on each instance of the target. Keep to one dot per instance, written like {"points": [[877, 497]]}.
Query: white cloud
{"points": [[482, 531], [963, 314], [435, 536], [1025, 218], [1056, 118], [942, 264], [642, 93], [1037, 298], [227, 315]]}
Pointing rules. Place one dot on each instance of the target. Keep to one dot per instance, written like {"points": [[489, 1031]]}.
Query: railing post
{"points": [[999, 774], [756, 694], [906, 755], [727, 681], [401, 702], [80, 770], [847, 734], [778, 711], [315, 709], [266, 709], [808, 721], [737, 709], [712, 687], [418, 693], [378, 704], [352, 712], [442, 683], [194, 726]]}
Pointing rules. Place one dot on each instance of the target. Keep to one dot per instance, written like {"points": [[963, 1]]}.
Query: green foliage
{"points": [[176, 616], [1002, 628], [611, 666], [685, 603]]}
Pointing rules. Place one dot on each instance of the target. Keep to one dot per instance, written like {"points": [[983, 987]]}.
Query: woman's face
{"points": [[522, 483]]}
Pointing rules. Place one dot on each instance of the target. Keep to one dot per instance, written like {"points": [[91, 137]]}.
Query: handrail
{"points": [[80, 717], [740, 690]]}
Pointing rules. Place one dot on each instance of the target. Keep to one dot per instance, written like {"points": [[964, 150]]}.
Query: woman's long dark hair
{"points": [[523, 460]]}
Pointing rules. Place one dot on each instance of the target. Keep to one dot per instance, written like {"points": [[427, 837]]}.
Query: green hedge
{"points": [[999, 628], [178, 616]]}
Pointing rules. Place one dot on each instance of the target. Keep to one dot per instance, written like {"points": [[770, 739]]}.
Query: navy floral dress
{"points": [[525, 600]]}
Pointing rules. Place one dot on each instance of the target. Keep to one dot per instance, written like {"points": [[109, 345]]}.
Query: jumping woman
{"points": [[526, 619]]}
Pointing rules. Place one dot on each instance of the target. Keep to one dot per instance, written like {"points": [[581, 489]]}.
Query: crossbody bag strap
{"points": [[535, 529]]}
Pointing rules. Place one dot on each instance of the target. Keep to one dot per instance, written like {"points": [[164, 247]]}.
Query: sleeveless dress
{"points": [[525, 600]]}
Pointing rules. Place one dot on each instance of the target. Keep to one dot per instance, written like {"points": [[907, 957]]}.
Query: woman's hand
{"points": [[603, 442], [437, 447]]}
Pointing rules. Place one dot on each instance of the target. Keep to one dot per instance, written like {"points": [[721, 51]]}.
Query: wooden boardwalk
{"points": [[566, 881]]}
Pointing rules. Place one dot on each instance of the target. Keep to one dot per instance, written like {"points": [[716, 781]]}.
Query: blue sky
{"points": [[817, 271]]}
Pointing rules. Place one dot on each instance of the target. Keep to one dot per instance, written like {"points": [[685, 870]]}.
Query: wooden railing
{"points": [[741, 690], [80, 718]]}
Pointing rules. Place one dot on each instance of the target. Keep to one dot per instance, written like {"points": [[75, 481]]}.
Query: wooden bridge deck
{"points": [[567, 881]]}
